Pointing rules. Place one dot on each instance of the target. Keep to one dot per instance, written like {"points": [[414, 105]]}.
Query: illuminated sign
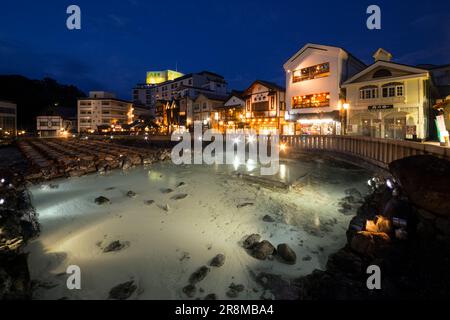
{"points": [[381, 107], [157, 77]]}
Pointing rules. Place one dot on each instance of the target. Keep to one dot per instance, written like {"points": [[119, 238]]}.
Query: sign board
{"points": [[381, 107]]}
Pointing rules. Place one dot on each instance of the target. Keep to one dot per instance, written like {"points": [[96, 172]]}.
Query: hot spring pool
{"points": [[185, 228]]}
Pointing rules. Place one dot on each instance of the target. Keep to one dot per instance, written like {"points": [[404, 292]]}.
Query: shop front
{"points": [[326, 123], [386, 122]]}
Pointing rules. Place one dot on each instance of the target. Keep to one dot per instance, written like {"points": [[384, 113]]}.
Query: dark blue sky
{"points": [[241, 39]]}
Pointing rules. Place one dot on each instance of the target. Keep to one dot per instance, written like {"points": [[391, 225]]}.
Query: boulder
{"points": [[268, 218], [122, 291], [126, 163], [425, 179], [286, 253], [262, 250], [218, 261], [179, 196], [369, 243], [251, 240], [232, 293], [131, 194], [102, 200], [199, 275], [190, 290], [115, 246], [211, 296]]}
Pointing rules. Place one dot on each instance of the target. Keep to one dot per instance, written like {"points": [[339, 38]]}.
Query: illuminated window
{"points": [[393, 89], [369, 92], [309, 73], [311, 101]]}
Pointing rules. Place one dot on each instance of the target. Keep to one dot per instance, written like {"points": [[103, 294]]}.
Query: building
{"points": [[104, 110], [52, 126], [314, 99], [389, 100], [8, 118], [230, 116], [190, 85], [265, 106], [205, 106]]}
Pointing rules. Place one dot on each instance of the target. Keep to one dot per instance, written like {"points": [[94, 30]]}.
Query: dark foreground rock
{"points": [[426, 181], [286, 254], [410, 242], [18, 224]]}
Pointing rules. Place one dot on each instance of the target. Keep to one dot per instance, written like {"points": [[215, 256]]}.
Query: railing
{"points": [[380, 152]]}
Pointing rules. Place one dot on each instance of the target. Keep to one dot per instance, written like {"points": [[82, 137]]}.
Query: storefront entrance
{"points": [[395, 126]]}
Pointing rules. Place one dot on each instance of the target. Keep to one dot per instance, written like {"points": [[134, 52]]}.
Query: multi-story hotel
{"points": [[177, 87], [389, 100], [8, 118], [103, 110], [265, 107], [314, 99], [52, 126]]}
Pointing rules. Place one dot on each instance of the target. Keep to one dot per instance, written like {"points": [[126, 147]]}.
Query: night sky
{"points": [[243, 40]]}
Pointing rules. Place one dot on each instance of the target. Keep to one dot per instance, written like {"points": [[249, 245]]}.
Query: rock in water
{"points": [[237, 287], [122, 291], [286, 253], [251, 240], [149, 202], [168, 190], [190, 290], [262, 250], [179, 196], [245, 204], [218, 261], [268, 218], [115, 246], [199, 275], [180, 184], [211, 296], [126, 163], [102, 200], [426, 181], [231, 293], [131, 194], [164, 207]]}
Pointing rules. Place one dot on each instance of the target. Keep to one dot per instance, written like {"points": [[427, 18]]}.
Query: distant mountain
{"points": [[38, 97]]}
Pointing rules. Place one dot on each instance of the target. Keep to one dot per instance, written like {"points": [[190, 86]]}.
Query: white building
{"points": [[314, 76], [103, 109], [52, 126], [190, 85], [389, 100], [8, 118]]}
